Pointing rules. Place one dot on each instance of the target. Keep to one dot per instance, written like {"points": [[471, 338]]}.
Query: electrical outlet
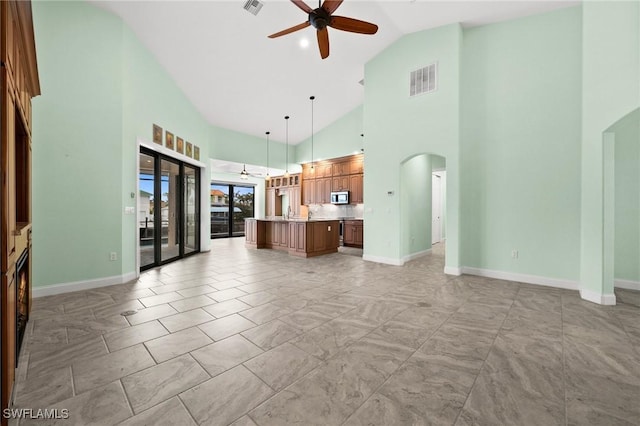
{"points": [[113, 256], [514, 254], [329, 228]]}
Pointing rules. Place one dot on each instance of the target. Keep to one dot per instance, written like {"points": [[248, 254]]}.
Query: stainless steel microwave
{"points": [[341, 197]]}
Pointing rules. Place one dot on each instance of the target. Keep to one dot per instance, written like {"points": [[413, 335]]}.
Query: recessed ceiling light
{"points": [[304, 42]]}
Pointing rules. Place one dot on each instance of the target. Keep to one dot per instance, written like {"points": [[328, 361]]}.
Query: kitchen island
{"points": [[300, 237]]}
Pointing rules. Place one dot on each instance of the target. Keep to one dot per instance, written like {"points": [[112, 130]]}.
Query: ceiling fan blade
{"points": [[323, 42], [352, 25], [290, 30], [331, 5], [302, 5]]}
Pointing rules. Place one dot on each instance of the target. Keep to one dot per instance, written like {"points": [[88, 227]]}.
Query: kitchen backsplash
{"points": [[331, 211]]}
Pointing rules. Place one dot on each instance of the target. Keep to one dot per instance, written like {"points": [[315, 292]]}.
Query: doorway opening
{"points": [[168, 209], [230, 206]]}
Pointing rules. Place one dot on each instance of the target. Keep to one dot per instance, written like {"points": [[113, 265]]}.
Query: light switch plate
{"points": [[129, 210]]}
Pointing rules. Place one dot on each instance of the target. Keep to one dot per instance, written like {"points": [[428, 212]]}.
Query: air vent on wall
{"points": [[423, 80], [253, 6]]}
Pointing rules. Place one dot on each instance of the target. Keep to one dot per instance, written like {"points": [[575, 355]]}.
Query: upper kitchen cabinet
{"points": [[356, 189], [338, 174]]}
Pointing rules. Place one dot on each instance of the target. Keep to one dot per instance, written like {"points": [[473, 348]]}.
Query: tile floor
{"points": [[258, 337]]}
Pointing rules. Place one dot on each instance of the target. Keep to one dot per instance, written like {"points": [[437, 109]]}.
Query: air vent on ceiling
{"points": [[253, 6], [423, 80]]}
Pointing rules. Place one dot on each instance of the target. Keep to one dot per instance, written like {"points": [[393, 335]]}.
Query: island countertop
{"points": [[300, 237]]}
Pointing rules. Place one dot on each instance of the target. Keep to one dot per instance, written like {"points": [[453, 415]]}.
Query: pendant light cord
{"points": [[312, 98], [267, 133], [287, 130]]}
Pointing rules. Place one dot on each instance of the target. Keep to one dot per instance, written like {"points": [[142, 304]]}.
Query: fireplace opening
{"points": [[22, 299]]}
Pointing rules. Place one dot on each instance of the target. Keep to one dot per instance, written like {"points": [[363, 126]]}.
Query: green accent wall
{"points": [[77, 144], [339, 139], [610, 91], [521, 145], [398, 127], [627, 197], [415, 205]]}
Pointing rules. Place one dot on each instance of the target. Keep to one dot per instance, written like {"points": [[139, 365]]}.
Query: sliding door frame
{"points": [[158, 156], [232, 202]]}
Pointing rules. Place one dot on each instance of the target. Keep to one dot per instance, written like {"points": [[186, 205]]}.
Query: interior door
{"points": [[436, 209]]}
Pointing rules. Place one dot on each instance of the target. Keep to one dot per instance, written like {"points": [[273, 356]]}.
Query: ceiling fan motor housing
{"points": [[319, 18]]}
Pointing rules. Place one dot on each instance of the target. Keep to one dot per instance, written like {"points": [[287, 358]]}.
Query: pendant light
{"points": [[286, 173], [312, 170], [243, 174], [267, 177]]}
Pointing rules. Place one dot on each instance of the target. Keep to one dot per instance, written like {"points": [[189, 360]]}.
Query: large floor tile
{"points": [[226, 326], [169, 413], [185, 320], [225, 354], [181, 342], [95, 372], [133, 335], [163, 381], [150, 314], [226, 397], [271, 334], [281, 366]]}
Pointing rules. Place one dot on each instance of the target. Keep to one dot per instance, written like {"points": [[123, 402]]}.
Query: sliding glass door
{"points": [[230, 205], [168, 209]]}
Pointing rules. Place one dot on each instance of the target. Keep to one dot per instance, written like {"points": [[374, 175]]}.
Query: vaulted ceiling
{"points": [[221, 58]]}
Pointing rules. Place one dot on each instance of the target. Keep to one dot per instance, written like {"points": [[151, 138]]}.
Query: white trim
{"points": [[385, 260], [627, 284], [82, 285], [523, 278], [416, 255], [453, 270], [599, 298]]}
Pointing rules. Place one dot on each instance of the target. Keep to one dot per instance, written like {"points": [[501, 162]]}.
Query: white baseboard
{"points": [[453, 270], [599, 298], [416, 255], [522, 278], [385, 260], [627, 284], [83, 285]]}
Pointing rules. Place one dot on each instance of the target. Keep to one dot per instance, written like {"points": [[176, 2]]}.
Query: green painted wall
{"points": [[521, 145], [150, 96], [610, 90], [415, 204], [398, 127], [77, 143], [627, 197], [339, 139]]}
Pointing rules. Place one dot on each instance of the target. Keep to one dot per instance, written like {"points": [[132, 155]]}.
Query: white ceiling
{"points": [[221, 58]]}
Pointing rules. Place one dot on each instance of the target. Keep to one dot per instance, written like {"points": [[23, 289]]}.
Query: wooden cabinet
{"points": [[356, 166], [353, 233], [341, 168], [283, 234], [295, 200], [299, 238], [324, 170], [254, 233], [272, 203], [340, 183], [308, 191], [323, 191], [356, 189], [19, 77]]}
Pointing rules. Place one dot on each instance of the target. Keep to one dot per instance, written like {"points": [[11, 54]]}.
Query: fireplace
{"points": [[22, 299]]}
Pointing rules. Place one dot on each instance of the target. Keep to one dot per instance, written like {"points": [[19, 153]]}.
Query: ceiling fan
{"points": [[244, 174], [323, 17]]}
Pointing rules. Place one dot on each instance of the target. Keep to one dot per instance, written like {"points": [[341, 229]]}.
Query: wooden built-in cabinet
{"points": [[353, 233], [19, 83], [299, 238], [339, 174], [278, 186]]}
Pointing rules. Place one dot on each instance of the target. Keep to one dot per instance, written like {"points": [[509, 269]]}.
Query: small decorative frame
{"points": [[157, 134], [180, 145], [189, 152], [168, 139], [196, 153]]}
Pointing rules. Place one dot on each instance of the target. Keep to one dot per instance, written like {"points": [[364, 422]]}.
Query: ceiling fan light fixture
{"points": [[243, 174]]}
